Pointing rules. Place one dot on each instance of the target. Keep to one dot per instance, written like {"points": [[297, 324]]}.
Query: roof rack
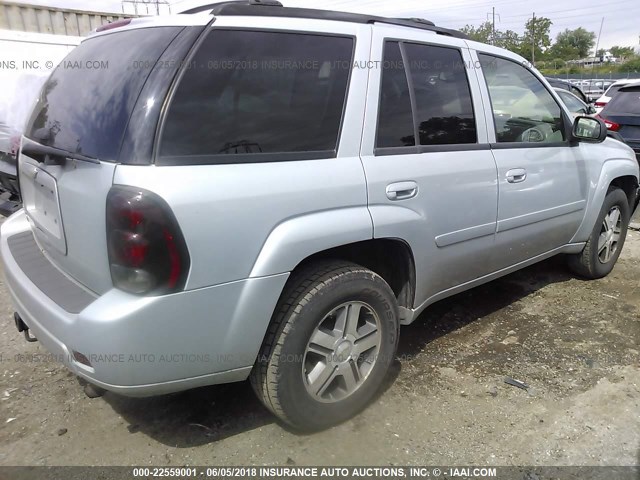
{"points": [[273, 8]]}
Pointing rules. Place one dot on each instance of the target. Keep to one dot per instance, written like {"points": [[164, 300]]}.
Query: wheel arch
{"points": [[391, 258], [344, 234], [621, 173]]}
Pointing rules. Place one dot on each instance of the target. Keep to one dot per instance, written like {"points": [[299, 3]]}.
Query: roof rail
{"points": [[273, 8], [424, 21], [220, 5]]}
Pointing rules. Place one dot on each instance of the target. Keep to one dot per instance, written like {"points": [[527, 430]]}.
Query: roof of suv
{"points": [[635, 84], [272, 8], [625, 81]]}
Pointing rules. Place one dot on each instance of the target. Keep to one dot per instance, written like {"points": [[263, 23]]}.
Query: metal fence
{"points": [[58, 21], [598, 75]]}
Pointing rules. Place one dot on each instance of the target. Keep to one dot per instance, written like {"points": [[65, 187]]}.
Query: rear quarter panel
{"points": [[260, 219]]}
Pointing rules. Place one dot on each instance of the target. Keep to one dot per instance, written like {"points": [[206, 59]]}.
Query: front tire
{"points": [[607, 238], [329, 346]]}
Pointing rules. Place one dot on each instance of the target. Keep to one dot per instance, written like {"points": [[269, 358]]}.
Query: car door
{"points": [[542, 181], [431, 178]]}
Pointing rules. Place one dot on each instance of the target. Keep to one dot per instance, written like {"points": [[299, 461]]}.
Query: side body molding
{"points": [[297, 238]]}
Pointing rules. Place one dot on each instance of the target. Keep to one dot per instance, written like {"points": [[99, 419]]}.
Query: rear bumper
{"points": [[142, 346]]}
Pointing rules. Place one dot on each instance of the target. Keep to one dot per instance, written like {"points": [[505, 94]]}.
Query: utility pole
{"points": [[595, 55], [599, 34], [493, 24], [533, 39]]}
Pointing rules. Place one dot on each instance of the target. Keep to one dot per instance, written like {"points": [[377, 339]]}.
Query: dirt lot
{"points": [[576, 343]]}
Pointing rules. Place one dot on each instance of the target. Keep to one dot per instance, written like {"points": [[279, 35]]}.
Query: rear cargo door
{"points": [[624, 109], [73, 141]]}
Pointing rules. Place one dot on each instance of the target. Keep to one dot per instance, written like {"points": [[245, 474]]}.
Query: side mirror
{"points": [[591, 110], [589, 129]]}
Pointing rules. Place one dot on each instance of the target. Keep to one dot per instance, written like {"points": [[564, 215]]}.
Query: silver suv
{"points": [[252, 191]]}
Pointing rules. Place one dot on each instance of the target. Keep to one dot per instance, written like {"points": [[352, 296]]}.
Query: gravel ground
{"points": [[575, 343]]}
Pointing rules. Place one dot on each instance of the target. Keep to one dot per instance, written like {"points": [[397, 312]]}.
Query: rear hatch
{"points": [[624, 110], [74, 140]]}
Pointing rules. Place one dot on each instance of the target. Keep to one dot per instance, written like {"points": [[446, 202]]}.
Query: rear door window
{"points": [[86, 103], [252, 96], [444, 111], [424, 91], [395, 117]]}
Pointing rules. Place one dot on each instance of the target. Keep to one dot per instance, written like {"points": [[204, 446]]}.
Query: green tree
{"points": [[483, 33], [509, 40], [622, 52], [631, 65], [536, 38], [573, 44]]}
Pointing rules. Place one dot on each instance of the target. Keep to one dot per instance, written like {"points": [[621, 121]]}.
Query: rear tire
{"points": [[607, 238], [329, 346]]}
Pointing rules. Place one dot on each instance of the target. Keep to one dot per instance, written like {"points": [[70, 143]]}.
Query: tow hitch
{"points": [[22, 327]]}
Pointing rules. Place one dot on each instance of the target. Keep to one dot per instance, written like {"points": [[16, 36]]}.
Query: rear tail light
{"points": [[600, 104], [613, 126], [147, 252]]}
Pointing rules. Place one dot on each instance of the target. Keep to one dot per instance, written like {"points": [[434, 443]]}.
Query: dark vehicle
{"points": [[9, 190], [622, 115], [557, 83]]}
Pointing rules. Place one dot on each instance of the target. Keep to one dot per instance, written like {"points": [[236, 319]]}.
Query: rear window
{"points": [[250, 95], [612, 90], [627, 100], [86, 103]]}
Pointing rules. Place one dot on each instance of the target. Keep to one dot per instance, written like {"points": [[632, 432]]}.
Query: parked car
{"points": [[602, 101], [622, 115], [561, 84], [9, 143], [574, 104], [16, 100], [231, 199]]}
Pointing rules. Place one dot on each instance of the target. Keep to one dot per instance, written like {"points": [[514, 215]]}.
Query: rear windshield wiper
{"points": [[51, 155]]}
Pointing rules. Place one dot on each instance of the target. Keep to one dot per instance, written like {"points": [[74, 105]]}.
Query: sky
{"points": [[621, 17]]}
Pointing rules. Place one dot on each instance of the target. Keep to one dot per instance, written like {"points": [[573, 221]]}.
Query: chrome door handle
{"points": [[402, 190], [516, 175]]}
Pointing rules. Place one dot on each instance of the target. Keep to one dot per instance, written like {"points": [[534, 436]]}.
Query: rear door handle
{"points": [[402, 190], [516, 175]]}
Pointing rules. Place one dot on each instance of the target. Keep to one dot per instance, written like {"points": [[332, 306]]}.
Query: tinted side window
{"points": [[523, 109], [442, 95], [395, 118], [253, 92]]}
